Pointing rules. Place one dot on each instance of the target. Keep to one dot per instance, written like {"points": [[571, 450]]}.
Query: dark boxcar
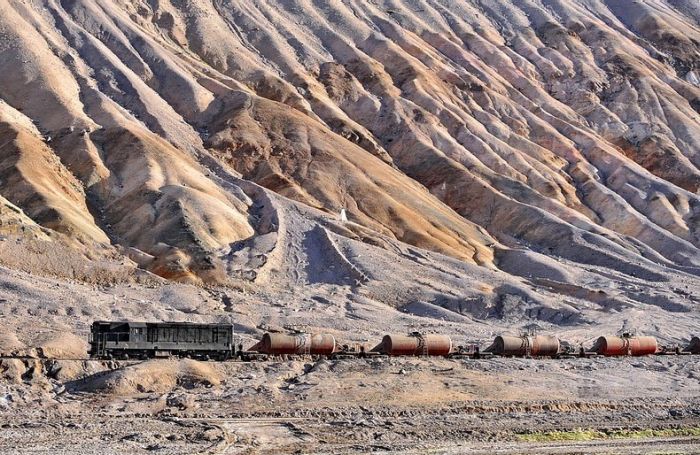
{"points": [[125, 340]]}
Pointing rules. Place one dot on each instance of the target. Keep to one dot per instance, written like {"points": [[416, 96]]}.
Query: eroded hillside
{"points": [[533, 157]]}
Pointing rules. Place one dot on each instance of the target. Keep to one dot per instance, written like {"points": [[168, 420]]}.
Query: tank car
{"points": [[299, 344], [415, 344], [525, 346], [626, 344]]}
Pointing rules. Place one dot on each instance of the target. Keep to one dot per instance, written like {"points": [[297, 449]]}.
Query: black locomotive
{"points": [[141, 340]]}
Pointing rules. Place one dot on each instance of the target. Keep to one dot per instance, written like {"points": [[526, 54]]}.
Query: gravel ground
{"points": [[349, 406]]}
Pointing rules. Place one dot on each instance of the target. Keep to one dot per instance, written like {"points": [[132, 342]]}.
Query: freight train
{"points": [[142, 340]]}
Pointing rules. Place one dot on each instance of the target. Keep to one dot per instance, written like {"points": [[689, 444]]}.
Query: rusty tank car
{"points": [[694, 346], [415, 344], [299, 344], [525, 346], [625, 345]]}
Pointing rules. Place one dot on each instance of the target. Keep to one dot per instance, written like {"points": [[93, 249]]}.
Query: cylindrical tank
{"points": [[536, 346], [279, 343], [625, 345], [694, 345], [415, 345]]}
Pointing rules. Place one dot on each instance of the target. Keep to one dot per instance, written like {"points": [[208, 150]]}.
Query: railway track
{"points": [[346, 356]]}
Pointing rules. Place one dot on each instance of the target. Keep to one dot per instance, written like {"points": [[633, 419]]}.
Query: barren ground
{"points": [[316, 406], [356, 406], [501, 166]]}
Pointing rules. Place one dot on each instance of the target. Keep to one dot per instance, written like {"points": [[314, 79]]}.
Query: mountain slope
{"points": [[530, 138]]}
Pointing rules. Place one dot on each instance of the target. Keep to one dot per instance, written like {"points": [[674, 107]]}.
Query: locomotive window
{"points": [[220, 335], [117, 336]]}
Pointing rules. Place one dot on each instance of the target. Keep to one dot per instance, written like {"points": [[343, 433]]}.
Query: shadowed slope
{"points": [[569, 129]]}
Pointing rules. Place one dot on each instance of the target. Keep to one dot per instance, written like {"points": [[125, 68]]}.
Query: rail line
{"points": [[340, 356]]}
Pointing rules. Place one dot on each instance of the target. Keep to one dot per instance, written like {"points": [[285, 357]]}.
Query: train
{"points": [[144, 340]]}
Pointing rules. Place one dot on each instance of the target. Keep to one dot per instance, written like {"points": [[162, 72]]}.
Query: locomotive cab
{"points": [[106, 337]]}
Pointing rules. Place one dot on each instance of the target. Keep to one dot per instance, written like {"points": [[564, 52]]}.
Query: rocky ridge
{"points": [[536, 159]]}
